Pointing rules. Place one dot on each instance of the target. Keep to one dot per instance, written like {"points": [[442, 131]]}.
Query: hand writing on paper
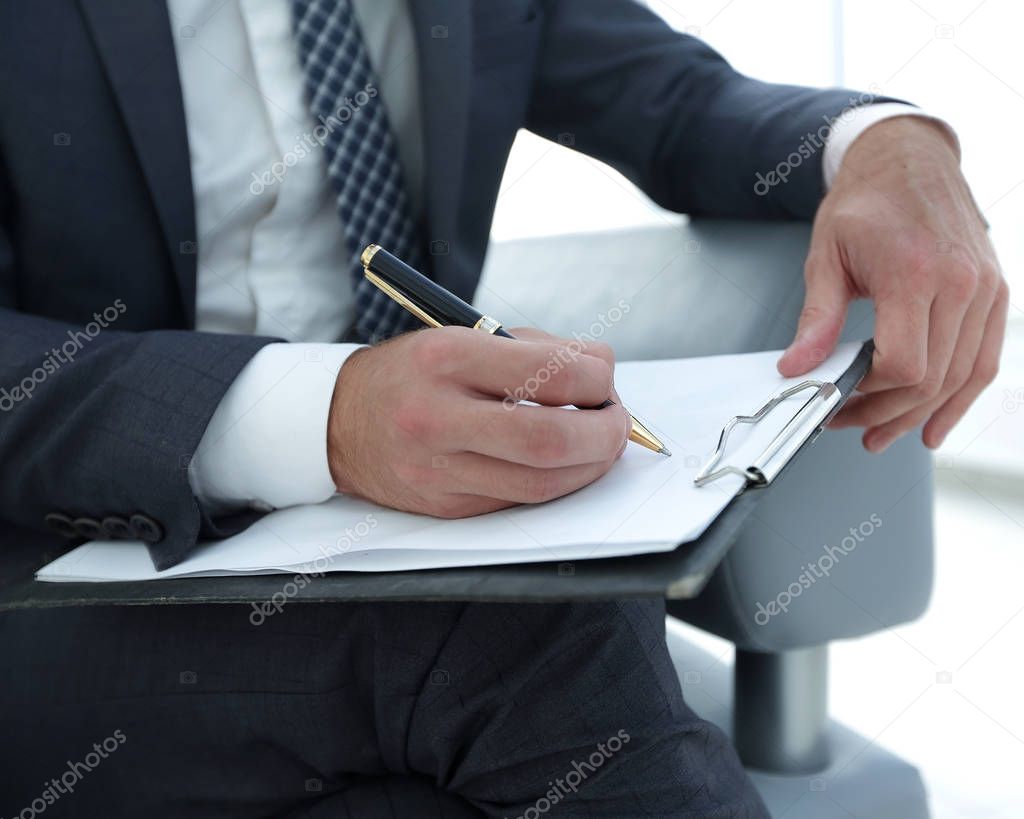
{"points": [[430, 421]]}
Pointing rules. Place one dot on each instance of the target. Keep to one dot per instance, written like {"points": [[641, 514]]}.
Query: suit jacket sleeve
{"points": [[108, 426], [673, 116]]}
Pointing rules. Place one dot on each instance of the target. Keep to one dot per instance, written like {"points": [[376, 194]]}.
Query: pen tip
{"points": [[664, 451]]}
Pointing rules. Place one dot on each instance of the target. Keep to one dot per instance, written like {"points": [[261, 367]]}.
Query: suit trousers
{"points": [[358, 710]]}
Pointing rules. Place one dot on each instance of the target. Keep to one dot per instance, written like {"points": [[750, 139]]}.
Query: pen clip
{"points": [[401, 298]]}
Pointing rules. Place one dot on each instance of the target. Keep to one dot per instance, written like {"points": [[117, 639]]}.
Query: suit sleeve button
{"points": [[89, 528], [61, 524], [145, 528], [117, 528]]}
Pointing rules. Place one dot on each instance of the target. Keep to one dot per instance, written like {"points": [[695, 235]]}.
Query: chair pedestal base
{"points": [[780, 712]]}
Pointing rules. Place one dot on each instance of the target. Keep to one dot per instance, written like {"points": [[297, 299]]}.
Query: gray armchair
{"points": [[725, 287]]}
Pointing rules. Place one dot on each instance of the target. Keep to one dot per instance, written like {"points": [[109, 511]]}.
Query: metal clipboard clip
{"points": [[802, 427]]}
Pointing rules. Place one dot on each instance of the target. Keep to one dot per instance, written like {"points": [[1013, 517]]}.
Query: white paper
{"points": [[646, 502]]}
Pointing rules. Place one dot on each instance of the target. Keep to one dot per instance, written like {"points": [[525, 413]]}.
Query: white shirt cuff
{"points": [[266, 445], [855, 121]]}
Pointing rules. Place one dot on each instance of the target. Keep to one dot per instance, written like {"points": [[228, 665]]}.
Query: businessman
{"points": [[185, 186]]}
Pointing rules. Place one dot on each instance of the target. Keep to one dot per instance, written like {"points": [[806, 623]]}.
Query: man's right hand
{"points": [[425, 422]]}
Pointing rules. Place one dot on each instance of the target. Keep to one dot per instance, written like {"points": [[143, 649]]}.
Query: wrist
{"points": [[905, 140], [341, 419]]}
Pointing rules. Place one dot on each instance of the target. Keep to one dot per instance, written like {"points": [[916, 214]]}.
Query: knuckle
{"points": [[547, 443], [601, 350], [907, 371], [962, 282], [929, 386], [918, 252], [562, 382], [849, 220], [989, 275], [598, 375], [437, 350]]}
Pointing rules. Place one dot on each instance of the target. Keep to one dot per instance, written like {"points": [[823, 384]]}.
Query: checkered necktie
{"points": [[362, 160]]}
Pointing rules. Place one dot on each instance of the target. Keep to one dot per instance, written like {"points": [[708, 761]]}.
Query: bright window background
{"points": [[958, 59]]}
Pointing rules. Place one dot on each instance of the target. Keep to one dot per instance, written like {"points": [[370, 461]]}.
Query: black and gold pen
{"points": [[437, 307]]}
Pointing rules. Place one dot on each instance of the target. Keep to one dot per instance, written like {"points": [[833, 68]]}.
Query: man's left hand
{"points": [[900, 227]]}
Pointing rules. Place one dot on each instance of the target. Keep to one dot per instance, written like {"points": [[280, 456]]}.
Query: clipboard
{"points": [[680, 573]]}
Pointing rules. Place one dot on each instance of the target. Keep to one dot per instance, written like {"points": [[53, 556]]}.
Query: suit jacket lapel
{"points": [[134, 41], [444, 41]]}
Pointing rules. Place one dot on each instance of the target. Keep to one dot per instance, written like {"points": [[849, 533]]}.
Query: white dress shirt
{"points": [[271, 252]]}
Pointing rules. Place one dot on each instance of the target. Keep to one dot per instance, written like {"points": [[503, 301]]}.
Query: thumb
{"points": [[821, 320]]}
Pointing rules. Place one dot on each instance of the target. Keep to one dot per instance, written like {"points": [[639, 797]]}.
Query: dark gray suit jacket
{"points": [[96, 210]]}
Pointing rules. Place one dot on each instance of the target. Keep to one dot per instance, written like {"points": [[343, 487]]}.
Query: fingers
{"points": [[901, 340], [474, 474], [986, 366], [547, 437], [595, 348], [909, 406], [549, 373], [907, 409], [822, 317]]}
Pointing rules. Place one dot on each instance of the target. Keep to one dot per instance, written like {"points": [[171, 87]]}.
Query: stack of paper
{"points": [[646, 503]]}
